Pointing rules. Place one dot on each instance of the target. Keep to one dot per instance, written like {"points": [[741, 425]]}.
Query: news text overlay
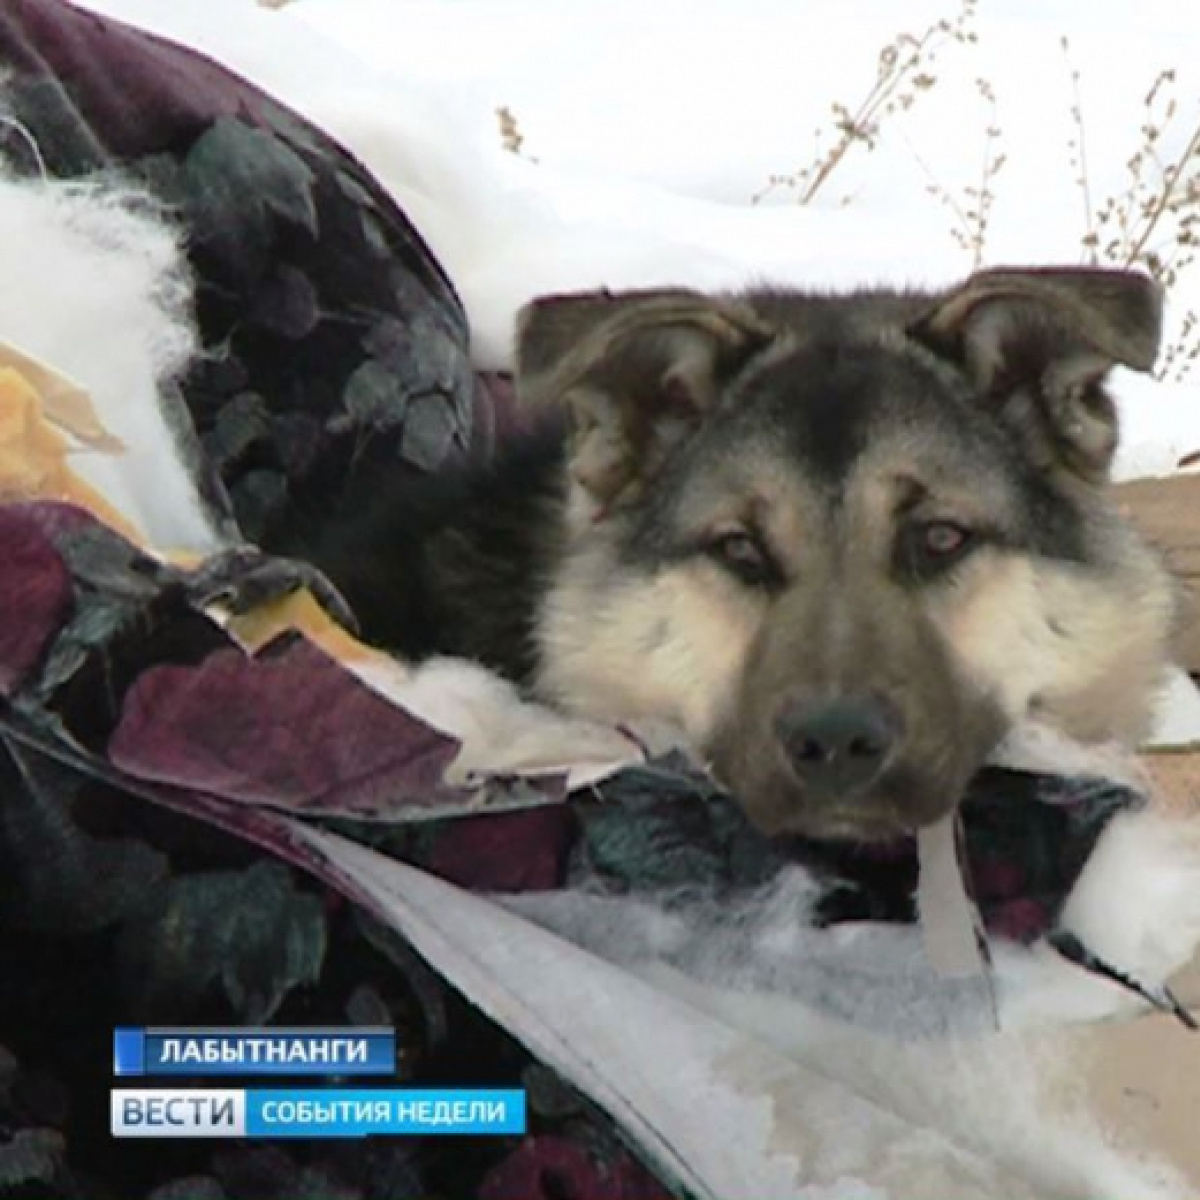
{"points": [[229, 1052], [314, 1112]]}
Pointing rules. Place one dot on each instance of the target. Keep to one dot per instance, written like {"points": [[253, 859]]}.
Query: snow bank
{"points": [[655, 126]]}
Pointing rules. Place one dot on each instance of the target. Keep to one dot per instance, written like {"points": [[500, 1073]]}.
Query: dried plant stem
{"points": [[1091, 239], [1163, 202], [903, 71], [861, 126], [972, 218], [511, 136], [984, 197]]}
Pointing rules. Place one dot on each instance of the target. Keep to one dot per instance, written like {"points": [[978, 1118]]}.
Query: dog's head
{"points": [[847, 542]]}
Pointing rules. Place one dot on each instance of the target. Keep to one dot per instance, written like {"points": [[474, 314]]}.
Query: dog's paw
{"points": [[243, 577]]}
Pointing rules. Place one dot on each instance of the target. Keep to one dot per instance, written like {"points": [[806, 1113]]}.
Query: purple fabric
{"points": [[506, 852], [289, 728], [36, 595], [553, 1168], [84, 53]]}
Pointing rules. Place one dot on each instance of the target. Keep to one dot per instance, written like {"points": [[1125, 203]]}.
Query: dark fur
{"points": [[445, 564]]}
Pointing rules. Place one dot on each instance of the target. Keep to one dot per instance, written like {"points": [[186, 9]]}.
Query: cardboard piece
{"points": [[1167, 511], [1143, 1079]]}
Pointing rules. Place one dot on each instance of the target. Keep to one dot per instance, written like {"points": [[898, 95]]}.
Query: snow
{"points": [[654, 125]]}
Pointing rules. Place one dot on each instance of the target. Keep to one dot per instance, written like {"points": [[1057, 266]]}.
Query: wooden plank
{"points": [[1167, 511]]}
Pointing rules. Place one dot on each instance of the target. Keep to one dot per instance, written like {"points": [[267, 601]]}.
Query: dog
{"points": [[845, 542]]}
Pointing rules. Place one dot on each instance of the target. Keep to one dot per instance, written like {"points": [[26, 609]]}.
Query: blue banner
{"points": [[225, 1052], [314, 1112]]}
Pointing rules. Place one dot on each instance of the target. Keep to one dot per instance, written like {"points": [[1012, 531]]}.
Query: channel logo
{"points": [[314, 1112]]}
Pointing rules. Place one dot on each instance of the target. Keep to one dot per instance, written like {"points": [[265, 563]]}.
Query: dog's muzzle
{"points": [[837, 748]]}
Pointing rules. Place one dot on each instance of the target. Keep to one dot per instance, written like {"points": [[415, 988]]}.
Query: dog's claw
{"points": [[243, 577]]}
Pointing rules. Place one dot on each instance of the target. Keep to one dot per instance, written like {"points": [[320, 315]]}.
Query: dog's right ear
{"points": [[636, 372], [1039, 342]]}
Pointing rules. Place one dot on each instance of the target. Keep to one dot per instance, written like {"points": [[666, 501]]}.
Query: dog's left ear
{"points": [[1038, 344], [635, 372]]}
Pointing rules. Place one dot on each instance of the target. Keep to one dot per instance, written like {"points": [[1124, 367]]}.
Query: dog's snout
{"points": [[837, 747]]}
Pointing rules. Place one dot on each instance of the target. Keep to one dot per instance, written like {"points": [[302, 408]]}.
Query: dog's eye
{"points": [[944, 539], [743, 556], [928, 548]]}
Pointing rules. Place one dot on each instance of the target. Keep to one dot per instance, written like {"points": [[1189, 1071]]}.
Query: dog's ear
{"points": [[636, 371], [1038, 344]]}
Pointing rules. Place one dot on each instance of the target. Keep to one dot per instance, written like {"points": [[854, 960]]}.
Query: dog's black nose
{"points": [[837, 747]]}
